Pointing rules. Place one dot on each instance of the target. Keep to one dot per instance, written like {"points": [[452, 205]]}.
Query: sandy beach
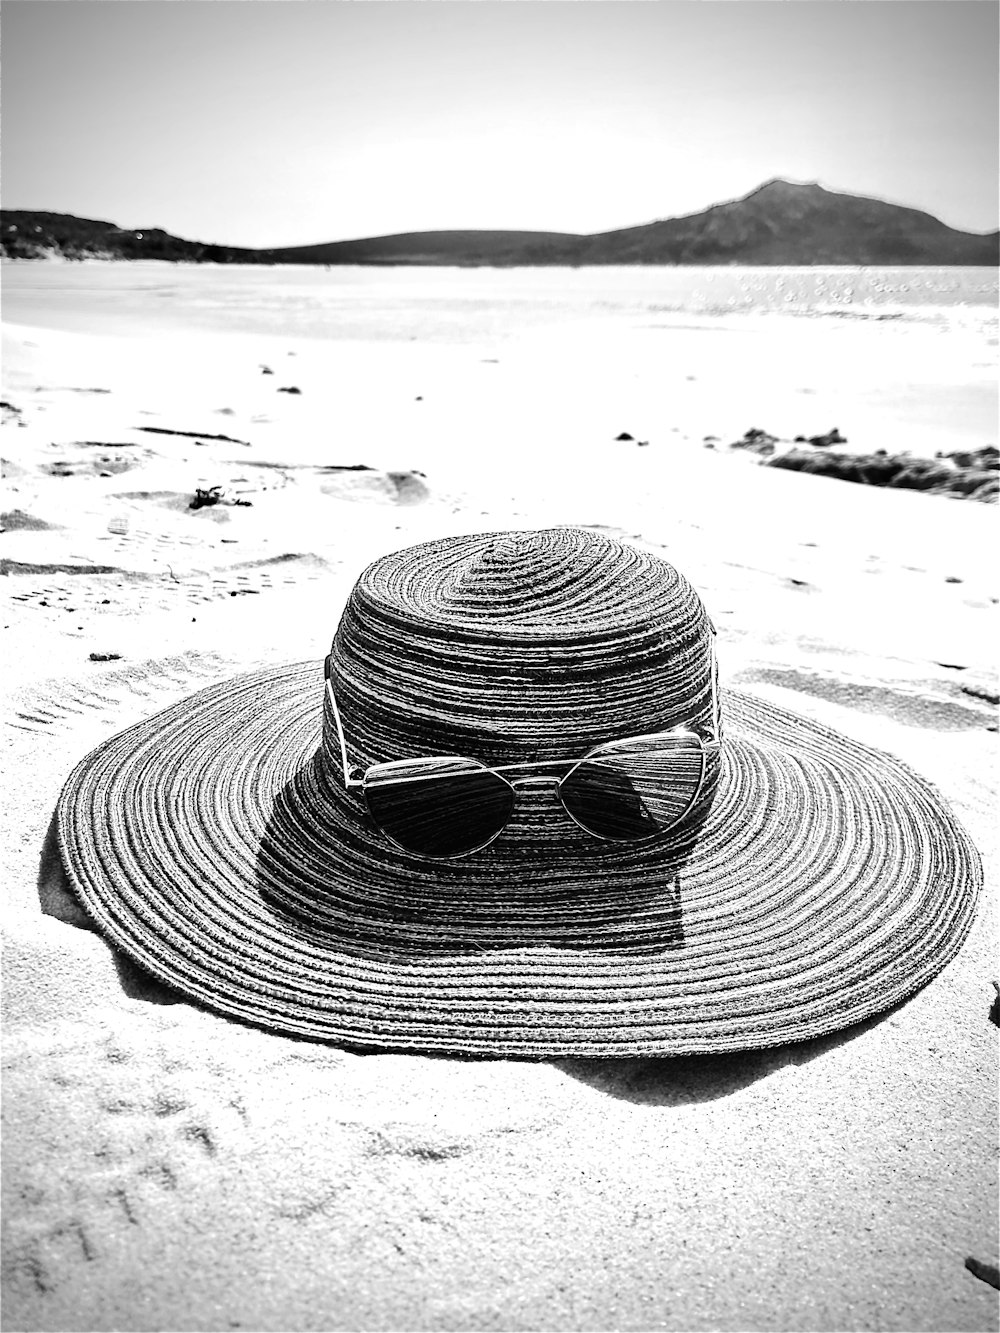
{"points": [[165, 1168]]}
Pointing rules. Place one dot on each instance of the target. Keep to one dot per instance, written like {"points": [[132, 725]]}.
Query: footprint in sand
{"points": [[116, 695], [138, 1120], [87, 458], [148, 568], [417, 1142], [362, 483]]}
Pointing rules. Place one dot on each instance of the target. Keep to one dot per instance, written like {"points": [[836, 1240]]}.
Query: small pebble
{"points": [[105, 657]]}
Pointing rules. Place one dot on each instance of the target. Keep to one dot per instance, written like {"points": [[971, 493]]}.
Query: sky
{"points": [[285, 122]]}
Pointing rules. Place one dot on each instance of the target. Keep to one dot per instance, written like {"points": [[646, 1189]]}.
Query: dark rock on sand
{"points": [[831, 437], [215, 495], [105, 657], [987, 458], [984, 487], [289, 388], [204, 498], [624, 436], [985, 1272], [898, 471], [757, 442]]}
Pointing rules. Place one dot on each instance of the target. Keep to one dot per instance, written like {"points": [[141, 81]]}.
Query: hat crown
{"points": [[519, 645], [511, 578]]}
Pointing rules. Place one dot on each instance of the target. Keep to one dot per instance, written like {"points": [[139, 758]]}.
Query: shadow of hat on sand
{"points": [[684, 1079], [57, 899]]}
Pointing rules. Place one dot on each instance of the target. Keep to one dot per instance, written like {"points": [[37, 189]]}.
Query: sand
{"points": [[165, 1168]]}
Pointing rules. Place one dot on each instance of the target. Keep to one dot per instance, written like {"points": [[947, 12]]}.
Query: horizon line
{"points": [[432, 231]]}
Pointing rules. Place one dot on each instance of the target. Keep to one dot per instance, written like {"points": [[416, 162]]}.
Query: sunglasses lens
{"points": [[438, 807], [635, 789]]}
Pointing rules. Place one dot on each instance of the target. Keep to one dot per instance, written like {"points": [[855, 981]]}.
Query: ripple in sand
{"points": [[912, 709], [8, 566]]}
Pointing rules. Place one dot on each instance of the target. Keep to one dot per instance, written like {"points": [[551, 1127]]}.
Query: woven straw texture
{"points": [[817, 883]]}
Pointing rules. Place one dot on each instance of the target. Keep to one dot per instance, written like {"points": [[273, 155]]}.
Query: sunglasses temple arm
{"points": [[349, 781], [716, 707]]}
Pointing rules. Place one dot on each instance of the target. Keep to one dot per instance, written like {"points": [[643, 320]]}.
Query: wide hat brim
{"points": [[827, 883]]}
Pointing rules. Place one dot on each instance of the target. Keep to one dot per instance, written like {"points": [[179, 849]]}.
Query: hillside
{"points": [[784, 223], [30, 235], [440, 247], [778, 223]]}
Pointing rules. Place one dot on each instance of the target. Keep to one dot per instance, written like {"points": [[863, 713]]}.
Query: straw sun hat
{"points": [[812, 883]]}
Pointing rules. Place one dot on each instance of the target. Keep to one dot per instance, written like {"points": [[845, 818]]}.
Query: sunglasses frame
{"points": [[356, 779]]}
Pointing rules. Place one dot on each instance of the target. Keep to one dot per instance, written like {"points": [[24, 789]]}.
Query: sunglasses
{"points": [[623, 791]]}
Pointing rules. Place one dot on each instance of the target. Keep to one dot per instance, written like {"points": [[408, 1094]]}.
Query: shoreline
{"points": [[55, 257]]}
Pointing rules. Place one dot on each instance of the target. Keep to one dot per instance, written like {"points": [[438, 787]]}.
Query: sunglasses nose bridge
{"points": [[536, 801], [536, 784]]}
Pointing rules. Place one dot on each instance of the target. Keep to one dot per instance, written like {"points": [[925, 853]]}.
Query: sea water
{"points": [[473, 305], [898, 358]]}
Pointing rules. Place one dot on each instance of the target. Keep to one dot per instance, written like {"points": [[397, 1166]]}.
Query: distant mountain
{"points": [[785, 223], [30, 235], [498, 248], [778, 223]]}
